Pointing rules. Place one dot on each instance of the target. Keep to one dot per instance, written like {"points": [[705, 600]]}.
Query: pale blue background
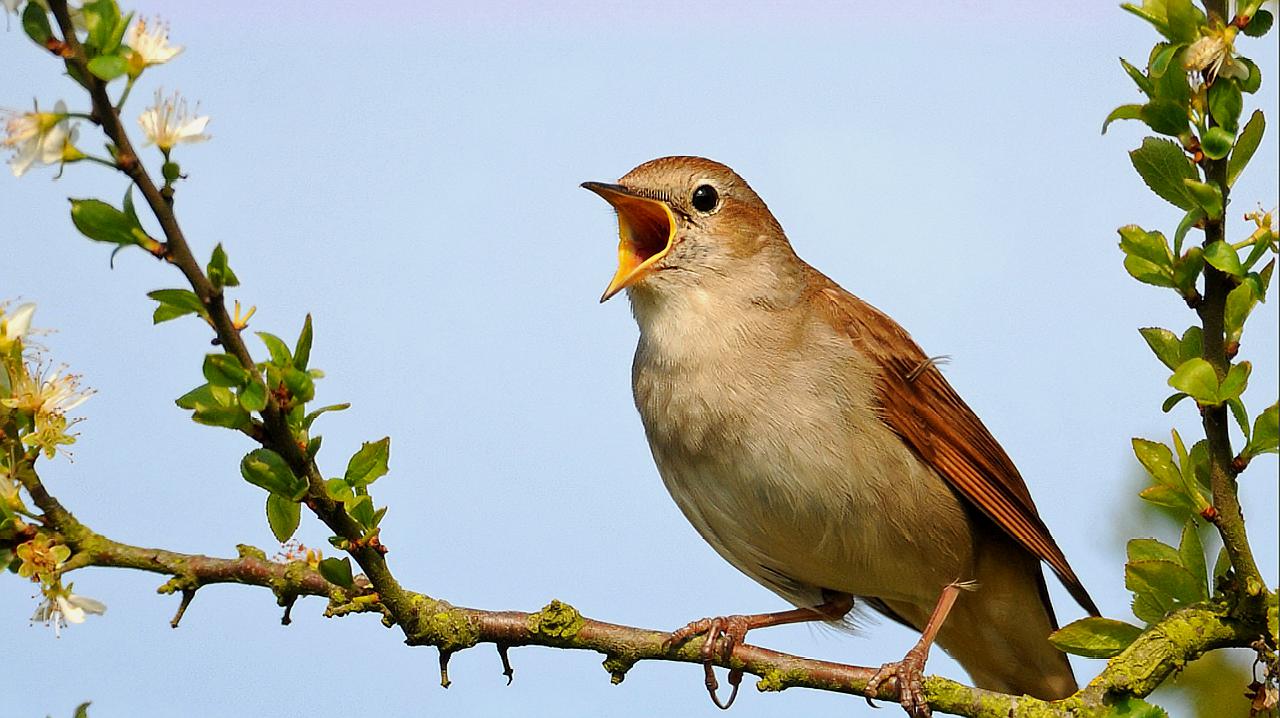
{"points": [[409, 176]]}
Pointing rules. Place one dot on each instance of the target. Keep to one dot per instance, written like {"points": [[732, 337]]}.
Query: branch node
{"points": [[287, 602], [187, 595], [507, 670], [617, 666], [444, 668]]}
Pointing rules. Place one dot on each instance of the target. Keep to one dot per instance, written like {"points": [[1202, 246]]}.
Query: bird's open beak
{"points": [[646, 228]]}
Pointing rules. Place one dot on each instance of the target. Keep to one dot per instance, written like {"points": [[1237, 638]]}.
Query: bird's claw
{"points": [[722, 634], [909, 675]]}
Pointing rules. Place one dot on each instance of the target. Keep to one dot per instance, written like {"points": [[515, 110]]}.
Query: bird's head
{"points": [[687, 222]]}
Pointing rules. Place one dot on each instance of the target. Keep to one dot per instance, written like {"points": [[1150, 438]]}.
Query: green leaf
{"points": [[1197, 378], [1234, 383], [1130, 707], [35, 21], [1157, 459], [1139, 78], [339, 490], [1148, 273], [1221, 255], [302, 350], [267, 469], [1165, 344], [101, 222], [1123, 112], [1207, 196], [1216, 143], [369, 463], [214, 406], [1168, 117], [1184, 20], [220, 274], [1259, 24], [224, 370], [300, 384], [310, 419], [279, 351], [1246, 145], [1095, 637], [1153, 11], [1191, 555], [1172, 401], [253, 396], [1240, 302], [108, 67], [1151, 246], [1241, 416], [1150, 550], [1163, 166], [337, 571], [1187, 269], [1167, 496], [362, 511], [1151, 607], [82, 710], [1251, 83], [100, 19], [1225, 103], [283, 516], [1266, 433], [175, 303], [1192, 343], [1162, 578]]}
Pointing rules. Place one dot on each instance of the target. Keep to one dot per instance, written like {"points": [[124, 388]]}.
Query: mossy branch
{"points": [[1163, 649]]}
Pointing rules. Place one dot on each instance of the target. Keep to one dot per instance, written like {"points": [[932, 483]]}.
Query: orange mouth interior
{"points": [[646, 229]]}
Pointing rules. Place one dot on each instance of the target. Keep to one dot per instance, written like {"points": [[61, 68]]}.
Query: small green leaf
{"points": [[1148, 273], [1207, 196], [35, 21], [1253, 81], [1131, 707], [220, 274], [1225, 104], [337, 571], [279, 351], [101, 222], [1241, 415], [310, 419], [1095, 637], [1167, 496], [224, 370], [214, 406], [283, 516], [267, 469], [1150, 550], [302, 350], [1123, 111], [1240, 302], [1162, 578], [1266, 433], [175, 303], [339, 490], [1153, 13], [1246, 145], [369, 463], [1187, 269], [1165, 344], [1259, 24], [1184, 20], [1191, 554], [1168, 117], [1221, 255], [100, 19], [1216, 143], [1197, 378], [108, 67], [1172, 401], [1234, 383], [1151, 246], [1157, 459], [1189, 220], [253, 396], [362, 511], [1192, 343], [82, 710], [1139, 78], [1163, 166], [299, 383]]}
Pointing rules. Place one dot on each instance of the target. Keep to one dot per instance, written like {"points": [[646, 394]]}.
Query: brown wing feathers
{"points": [[922, 408]]}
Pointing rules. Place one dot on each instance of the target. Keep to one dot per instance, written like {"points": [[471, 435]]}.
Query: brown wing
{"points": [[921, 407]]}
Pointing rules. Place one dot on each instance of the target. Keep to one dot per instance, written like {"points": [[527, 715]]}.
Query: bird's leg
{"points": [[909, 672], [724, 632]]}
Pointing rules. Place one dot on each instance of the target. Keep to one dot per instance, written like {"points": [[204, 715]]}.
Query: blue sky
{"points": [[409, 175]]}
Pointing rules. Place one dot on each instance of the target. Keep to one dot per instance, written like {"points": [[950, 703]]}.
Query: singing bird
{"points": [[819, 451]]}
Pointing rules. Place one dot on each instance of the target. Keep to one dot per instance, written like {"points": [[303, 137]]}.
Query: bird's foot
{"points": [[721, 635], [909, 675]]}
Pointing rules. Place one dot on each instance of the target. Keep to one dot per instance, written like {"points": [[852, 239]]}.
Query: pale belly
{"points": [[800, 488]]}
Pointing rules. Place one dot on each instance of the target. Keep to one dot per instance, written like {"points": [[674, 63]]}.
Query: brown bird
{"points": [[814, 445]]}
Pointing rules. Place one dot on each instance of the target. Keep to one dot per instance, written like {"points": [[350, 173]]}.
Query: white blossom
{"points": [[65, 608], [38, 136], [149, 47], [167, 123], [15, 326]]}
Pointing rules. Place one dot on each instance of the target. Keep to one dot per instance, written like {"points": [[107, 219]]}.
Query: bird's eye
{"points": [[705, 198]]}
